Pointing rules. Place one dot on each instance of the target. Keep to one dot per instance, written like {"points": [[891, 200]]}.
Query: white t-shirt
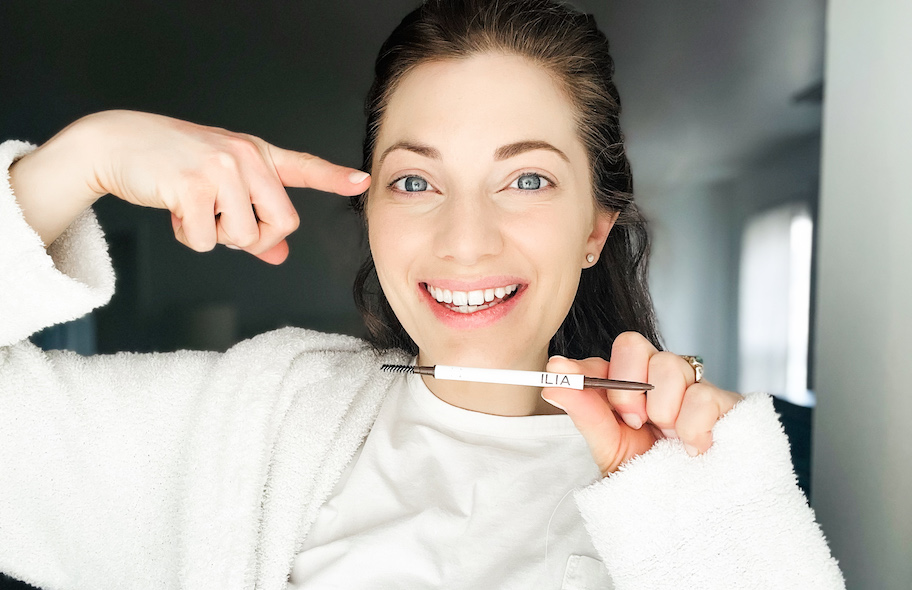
{"points": [[442, 497]]}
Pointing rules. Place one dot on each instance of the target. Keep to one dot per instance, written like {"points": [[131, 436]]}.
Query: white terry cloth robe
{"points": [[203, 470]]}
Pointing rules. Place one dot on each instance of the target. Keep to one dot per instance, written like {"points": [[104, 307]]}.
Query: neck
{"points": [[487, 398]]}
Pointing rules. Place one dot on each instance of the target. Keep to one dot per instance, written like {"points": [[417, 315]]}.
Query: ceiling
{"points": [[707, 86]]}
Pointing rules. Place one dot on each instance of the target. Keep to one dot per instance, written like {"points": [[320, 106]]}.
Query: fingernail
{"points": [[357, 177], [632, 420], [555, 404], [232, 246], [669, 433], [557, 356], [691, 450]]}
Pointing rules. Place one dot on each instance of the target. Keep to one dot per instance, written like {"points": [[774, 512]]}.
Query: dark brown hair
{"points": [[613, 296]]}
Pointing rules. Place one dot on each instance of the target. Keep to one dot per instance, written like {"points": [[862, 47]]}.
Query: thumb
{"points": [[297, 169], [589, 410]]}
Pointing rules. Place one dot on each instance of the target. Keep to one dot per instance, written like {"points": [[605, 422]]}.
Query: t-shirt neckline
{"points": [[542, 426]]}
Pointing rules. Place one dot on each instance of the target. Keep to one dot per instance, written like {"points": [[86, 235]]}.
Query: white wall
{"points": [[691, 274], [862, 464], [696, 230]]}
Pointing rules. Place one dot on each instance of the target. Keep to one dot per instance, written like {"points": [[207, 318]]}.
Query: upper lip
{"points": [[474, 285]]}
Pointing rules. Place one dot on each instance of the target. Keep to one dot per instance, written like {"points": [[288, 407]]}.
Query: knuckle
{"points": [[666, 362], [623, 400], [304, 160], [198, 196], [632, 341], [628, 339], [700, 395], [245, 239], [665, 368], [194, 179], [597, 365], [197, 189], [663, 417], [198, 211], [226, 161], [685, 431], [245, 147], [694, 435], [289, 223]]}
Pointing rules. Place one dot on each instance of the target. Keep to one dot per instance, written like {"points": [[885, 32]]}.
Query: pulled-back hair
{"points": [[613, 296]]}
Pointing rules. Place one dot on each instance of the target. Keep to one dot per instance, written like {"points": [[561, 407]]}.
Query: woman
{"points": [[502, 230]]}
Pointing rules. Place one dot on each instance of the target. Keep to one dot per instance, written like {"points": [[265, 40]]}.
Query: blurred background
{"points": [[723, 107]]}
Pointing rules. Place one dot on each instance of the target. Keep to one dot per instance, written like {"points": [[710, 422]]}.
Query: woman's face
{"points": [[481, 194]]}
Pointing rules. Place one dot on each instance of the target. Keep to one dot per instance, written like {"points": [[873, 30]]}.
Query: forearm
{"points": [[52, 185]]}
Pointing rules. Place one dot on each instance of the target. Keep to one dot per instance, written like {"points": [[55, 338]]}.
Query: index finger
{"points": [[630, 354], [297, 169]]}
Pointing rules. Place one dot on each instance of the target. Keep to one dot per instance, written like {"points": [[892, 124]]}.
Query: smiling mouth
{"points": [[472, 301]]}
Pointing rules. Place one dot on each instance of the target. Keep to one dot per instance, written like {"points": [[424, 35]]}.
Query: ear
{"points": [[604, 221]]}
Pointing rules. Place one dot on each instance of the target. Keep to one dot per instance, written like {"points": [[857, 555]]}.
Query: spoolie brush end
{"points": [[408, 369], [397, 368]]}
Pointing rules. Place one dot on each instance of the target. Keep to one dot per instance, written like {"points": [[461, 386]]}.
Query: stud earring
{"points": [[590, 258]]}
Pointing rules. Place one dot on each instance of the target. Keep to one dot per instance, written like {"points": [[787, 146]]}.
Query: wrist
{"points": [[80, 151], [52, 186]]}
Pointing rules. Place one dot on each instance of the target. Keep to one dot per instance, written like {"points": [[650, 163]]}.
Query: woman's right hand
{"points": [[220, 186]]}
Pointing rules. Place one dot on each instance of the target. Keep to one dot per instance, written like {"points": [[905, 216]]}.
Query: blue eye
{"points": [[530, 182], [411, 184]]}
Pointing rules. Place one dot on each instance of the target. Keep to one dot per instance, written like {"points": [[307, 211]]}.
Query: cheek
{"points": [[555, 244], [394, 244], [382, 247], [553, 237]]}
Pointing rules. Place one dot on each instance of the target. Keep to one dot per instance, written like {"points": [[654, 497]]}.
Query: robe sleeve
{"points": [[38, 287], [733, 517], [92, 449]]}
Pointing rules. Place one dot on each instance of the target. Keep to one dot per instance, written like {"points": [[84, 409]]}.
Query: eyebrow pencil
{"points": [[514, 377]]}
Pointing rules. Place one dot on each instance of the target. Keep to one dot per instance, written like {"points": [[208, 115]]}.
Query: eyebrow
{"points": [[520, 147], [504, 152]]}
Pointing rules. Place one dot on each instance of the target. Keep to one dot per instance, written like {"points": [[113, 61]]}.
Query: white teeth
{"points": [[470, 301]]}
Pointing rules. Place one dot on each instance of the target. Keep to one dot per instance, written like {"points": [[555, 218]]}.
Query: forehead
{"points": [[477, 104]]}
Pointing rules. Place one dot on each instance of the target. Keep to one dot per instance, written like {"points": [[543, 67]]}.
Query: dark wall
{"points": [[293, 73]]}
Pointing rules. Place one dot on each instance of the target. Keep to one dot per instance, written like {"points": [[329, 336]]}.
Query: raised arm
{"points": [[112, 465], [220, 186]]}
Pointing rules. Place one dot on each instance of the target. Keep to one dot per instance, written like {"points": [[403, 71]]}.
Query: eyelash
{"points": [[550, 183]]}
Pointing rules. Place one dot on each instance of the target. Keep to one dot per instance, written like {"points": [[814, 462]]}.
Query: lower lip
{"points": [[474, 320]]}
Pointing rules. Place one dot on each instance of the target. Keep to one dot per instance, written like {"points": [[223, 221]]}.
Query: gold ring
{"points": [[697, 363]]}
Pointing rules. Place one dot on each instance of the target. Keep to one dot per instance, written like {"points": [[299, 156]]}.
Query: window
{"points": [[774, 304]]}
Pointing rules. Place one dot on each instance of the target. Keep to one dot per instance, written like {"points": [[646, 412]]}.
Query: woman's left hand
{"points": [[619, 425]]}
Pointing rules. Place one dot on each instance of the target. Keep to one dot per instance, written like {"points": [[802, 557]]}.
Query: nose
{"points": [[468, 230]]}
